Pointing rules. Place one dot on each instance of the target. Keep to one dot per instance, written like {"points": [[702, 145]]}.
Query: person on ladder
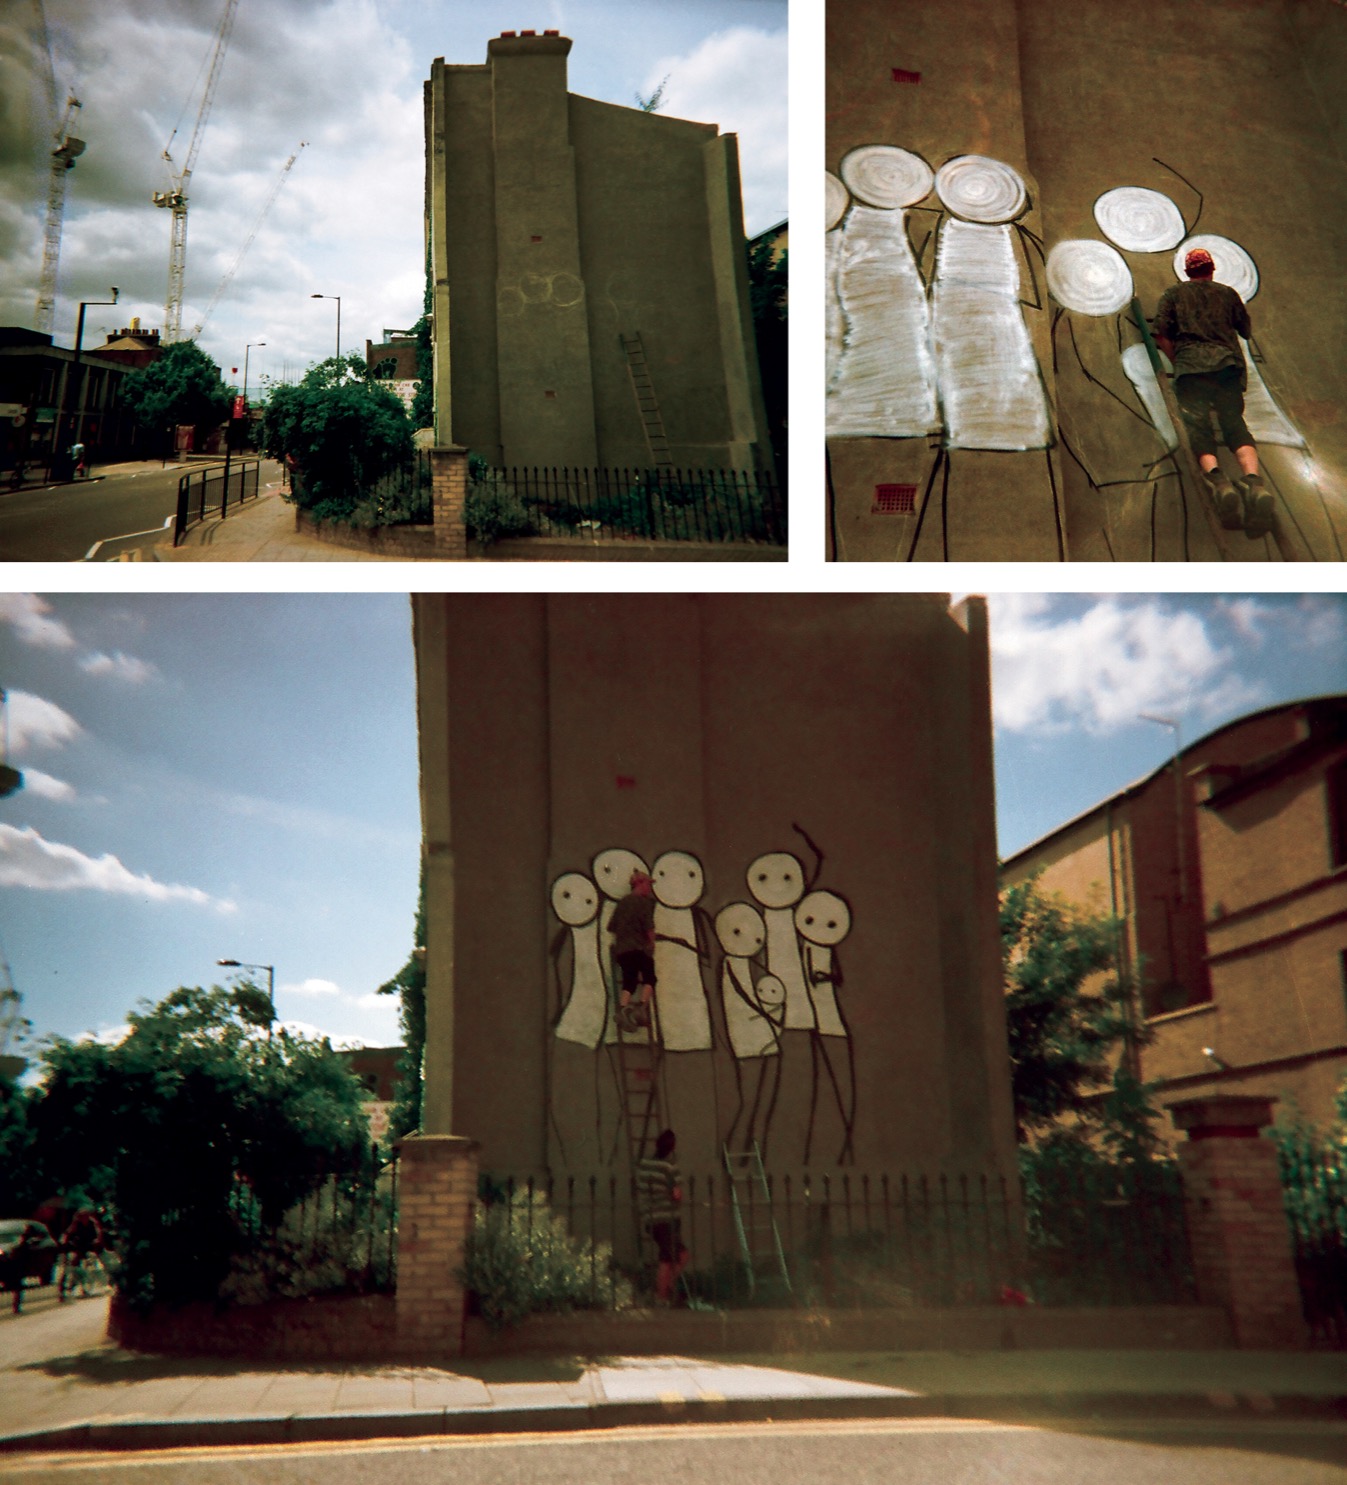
{"points": [[633, 928], [659, 1190]]}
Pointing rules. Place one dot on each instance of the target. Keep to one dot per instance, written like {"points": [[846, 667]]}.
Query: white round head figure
{"points": [[823, 918], [771, 995], [613, 869], [740, 929], [838, 199], [678, 879], [575, 900], [886, 176], [776, 880], [980, 189]]}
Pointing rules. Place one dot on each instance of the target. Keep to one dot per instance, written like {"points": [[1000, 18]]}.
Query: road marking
{"points": [[129, 536]]}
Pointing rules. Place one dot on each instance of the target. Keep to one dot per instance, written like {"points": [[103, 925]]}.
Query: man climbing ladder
{"points": [[1198, 326], [633, 928]]}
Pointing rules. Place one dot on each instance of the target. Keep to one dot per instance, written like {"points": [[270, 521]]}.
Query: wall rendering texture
{"points": [[808, 778], [569, 238]]}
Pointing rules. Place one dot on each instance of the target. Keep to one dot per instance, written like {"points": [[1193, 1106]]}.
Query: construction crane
{"points": [[243, 251], [175, 198], [66, 149]]}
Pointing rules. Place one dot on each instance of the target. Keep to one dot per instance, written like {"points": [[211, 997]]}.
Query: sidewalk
{"points": [[63, 1386], [260, 530]]}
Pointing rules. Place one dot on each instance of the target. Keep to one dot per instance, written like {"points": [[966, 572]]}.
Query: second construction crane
{"points": [[66, 149], [175, 198]]}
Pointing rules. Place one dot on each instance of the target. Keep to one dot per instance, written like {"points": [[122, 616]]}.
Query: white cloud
{"points": [[1099, 669], [27, 859], [36, 722], [736, 79], [30, 617], [47, 787], [308, 1029], [108, 1036], [120, 667], [312, 987]]}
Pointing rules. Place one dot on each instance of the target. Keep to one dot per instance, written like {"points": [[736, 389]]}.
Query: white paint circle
{"points": [[678, 879], [740, 929], [776, 880], [575, 900], [1089, 276], [1139, 220], [885, 176], [823, 918], [838, 199], [1233, 265], [980, 189], [613, 869]]}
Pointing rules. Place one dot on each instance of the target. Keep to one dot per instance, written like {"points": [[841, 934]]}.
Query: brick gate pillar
{"points": [[448, 491], [1241, 1239], [437, 1191]]}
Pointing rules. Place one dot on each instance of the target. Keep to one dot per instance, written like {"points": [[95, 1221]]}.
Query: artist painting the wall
{"points": [[1198, 326]]}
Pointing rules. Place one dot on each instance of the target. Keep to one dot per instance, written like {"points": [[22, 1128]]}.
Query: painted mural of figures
{"points": [[754, 1012], [612, 875], [823, 920], [837, 202], [883, 384], [991, 389], [1235, 268], [777, 882], [681, 1011], [585, 1013]]}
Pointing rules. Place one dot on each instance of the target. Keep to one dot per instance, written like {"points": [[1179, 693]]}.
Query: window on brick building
{"points": [[1335, 781]]}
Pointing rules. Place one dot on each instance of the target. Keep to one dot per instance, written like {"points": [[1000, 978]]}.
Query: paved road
{"points": [[63, 523], [933, 1451]]}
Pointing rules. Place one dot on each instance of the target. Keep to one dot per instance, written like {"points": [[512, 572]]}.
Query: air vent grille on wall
{"points": [[894, 500]]}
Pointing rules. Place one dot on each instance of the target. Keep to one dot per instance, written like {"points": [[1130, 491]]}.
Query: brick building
{"points": [[1231, 888]]}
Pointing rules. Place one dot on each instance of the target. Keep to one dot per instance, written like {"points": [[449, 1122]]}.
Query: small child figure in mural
{"points": [[633, 928], [659, 1192], [1198, 326]]}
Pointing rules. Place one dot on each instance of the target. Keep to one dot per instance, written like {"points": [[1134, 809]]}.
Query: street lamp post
{"points": [[79, 345], [271, 983], [247, 349], [337, 297]]}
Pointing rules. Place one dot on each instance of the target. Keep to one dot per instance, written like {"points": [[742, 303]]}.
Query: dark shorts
{"points": [[668, 1239], [1221, 392], [638, 968]]}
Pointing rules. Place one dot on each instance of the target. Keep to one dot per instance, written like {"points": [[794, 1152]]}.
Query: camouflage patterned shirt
{"points": [[1204, 320]]}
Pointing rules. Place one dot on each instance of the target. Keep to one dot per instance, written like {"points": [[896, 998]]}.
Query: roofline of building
{"points": [[1137, 785]]}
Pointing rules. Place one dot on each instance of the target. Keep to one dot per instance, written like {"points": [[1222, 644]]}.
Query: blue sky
{"points": [[344, 76], [235, 776]]}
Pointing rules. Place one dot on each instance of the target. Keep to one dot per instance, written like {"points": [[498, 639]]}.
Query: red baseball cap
{"points": [[1198, 261]]}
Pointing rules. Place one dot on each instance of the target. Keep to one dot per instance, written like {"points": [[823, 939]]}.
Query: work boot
{"points": [[1228, 506], [1259, 507]]}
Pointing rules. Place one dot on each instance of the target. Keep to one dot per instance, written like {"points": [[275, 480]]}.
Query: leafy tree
{"points": [[1068, 1012], [343, 429], [767, 283], [182, 385], [197, 1122], [423, 402], [409, 985], [655, 101]]}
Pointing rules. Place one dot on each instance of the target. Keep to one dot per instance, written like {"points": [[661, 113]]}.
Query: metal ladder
{"points": [[754, 1222], [638, 368]]}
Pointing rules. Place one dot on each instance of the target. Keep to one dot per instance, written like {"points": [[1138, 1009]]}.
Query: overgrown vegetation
{"points": [[492, 508], [768, 279], [521, 1260], [342, 431], [192, 1130], [1313, 1165], [181, 386], [409, 985]]}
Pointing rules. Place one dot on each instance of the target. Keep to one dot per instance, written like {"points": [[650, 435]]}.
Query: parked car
{"points": [[27, 1251]]}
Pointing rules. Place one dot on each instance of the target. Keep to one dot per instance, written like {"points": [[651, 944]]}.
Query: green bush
{"points": [[522, 1260], [491, 509]]}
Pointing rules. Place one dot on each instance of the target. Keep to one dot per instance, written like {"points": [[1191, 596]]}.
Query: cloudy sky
{"points": [[234, 776], [345, 76]]}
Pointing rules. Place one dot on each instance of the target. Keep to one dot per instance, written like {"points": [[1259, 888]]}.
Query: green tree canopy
{"points": [[182, 386], [344, 430], [1068, 1016], [195, 1124]]}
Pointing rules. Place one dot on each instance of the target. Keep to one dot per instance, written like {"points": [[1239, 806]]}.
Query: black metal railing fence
{"points": [[872, 1240], [402, 497], [701, 505], [208, 491]]}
